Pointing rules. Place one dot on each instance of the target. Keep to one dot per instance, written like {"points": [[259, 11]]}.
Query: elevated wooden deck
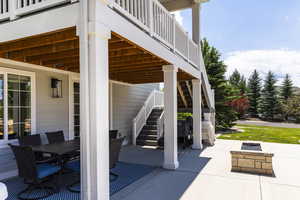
{"points": [[128, 62]]}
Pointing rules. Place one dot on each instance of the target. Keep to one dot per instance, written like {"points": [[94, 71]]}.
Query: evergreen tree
{"points": [[238, 81], [254, 91], [243, 86], [286, 89], [269, 106], [215, 68], [235, 78]]}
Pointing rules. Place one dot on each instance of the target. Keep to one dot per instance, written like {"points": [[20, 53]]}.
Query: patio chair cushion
{"points": [[73, 165], [3, 191], [44, 170]]}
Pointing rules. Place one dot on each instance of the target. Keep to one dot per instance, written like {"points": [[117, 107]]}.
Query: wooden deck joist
{"points": [[60, 50]]}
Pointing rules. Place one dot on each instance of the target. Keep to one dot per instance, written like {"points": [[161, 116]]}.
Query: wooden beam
{"points": [[125, 52], [132, 58], [131, 70], [60, 60], [181, 94], [138, 64], [45, 49], [119, 45], [189, 88], [38, 45], [39, 40], [56, 55]]}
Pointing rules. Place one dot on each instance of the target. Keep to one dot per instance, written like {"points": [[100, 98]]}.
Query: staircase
{"points": [[149, 135], [184, 94], [148, 124]]}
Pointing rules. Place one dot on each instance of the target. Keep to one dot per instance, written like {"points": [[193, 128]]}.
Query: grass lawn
{"points": [[265, 134]]}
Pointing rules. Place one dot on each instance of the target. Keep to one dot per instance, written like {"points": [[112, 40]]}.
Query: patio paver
{"points": [[206, 175]]}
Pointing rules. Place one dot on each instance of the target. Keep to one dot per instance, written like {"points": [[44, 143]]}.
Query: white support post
{"points": [[174, 32], [150, 16], [99, 110], [12, 9], [197, 115], [170, 102], [134, 130], [196, 14], [94, 100], [111, 107]]}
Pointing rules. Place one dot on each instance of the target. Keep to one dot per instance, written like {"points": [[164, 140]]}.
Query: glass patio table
{"points": [[59, 150]]}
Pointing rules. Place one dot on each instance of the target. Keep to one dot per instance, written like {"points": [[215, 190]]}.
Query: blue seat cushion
{"points": [[73, 165], [44, 170]]}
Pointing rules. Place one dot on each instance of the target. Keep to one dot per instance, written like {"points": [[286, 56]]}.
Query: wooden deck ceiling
{"points": [[60, 50]]}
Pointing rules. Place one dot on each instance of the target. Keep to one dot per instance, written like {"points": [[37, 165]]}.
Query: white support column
{"points": [[196, 15], [197, 115], [94, 102], [170, 105], [111, 108]]}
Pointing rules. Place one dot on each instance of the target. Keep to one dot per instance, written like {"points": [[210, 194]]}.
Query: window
{"points": [[1, 106], [76, 96], [16, 100]]}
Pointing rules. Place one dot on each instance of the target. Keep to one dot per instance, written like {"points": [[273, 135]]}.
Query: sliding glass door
{"points": [[16, 98]]}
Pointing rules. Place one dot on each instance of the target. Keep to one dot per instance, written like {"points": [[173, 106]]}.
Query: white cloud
{"points": [[286, 18], [178, 17], [280, 62]]}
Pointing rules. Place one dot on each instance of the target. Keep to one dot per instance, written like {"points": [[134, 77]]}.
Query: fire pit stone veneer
{"points": [[252, 161]]}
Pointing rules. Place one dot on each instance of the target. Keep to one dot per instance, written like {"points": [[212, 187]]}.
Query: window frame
{"points": [[5, 72], [72, 79]]}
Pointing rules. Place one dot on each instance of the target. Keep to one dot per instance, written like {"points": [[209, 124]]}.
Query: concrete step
{"points": [[152, 118], [147, 137], [150, 127], [156, 114], [147, 142], [148, 132], [149, 122]]}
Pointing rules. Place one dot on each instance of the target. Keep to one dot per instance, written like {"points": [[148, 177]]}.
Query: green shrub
{"points": [[183, 116]]}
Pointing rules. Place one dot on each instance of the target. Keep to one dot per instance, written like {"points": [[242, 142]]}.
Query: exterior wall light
{"points": [[56, 87]]}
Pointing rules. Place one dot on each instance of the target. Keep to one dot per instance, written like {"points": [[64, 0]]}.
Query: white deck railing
{"points": [[150, 15], [155, 99], [12, 9], [4, 9], [154, 18]]}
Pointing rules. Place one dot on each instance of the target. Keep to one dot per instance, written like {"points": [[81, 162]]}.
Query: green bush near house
{"points": [[264, 134], [183, 116]]}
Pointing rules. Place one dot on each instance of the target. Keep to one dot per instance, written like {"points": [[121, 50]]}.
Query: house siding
{"points": [[127, 101], [53, 113]]}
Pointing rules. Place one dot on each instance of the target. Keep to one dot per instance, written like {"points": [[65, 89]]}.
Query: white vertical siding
{"points": [[127, 101], [52, 113]]}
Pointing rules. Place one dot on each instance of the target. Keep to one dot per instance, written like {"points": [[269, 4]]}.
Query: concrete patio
{"points": [[206, 175]]}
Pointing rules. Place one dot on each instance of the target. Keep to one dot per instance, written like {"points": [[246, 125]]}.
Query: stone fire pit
{"points": [[251, 159]]}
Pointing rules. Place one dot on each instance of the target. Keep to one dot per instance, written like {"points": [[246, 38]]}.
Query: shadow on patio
{"points": [[161, 184], [138, 168]]}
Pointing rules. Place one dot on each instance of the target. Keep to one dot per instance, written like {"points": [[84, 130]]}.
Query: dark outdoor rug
{"points": [[128, 173]]}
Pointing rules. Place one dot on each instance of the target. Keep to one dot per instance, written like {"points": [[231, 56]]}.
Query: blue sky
{"points": [[253, 34]]}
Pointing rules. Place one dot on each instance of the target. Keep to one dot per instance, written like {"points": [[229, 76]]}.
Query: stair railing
{"points": [[160, 125], [155, 99]]}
